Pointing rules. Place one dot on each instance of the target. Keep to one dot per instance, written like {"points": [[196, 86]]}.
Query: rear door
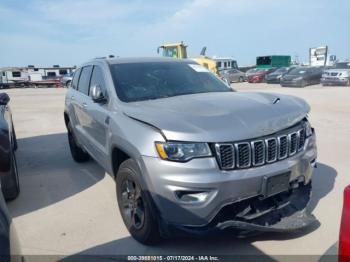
{"points": [[80, 102]]}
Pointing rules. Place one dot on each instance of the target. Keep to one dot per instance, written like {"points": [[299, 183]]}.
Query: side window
{"points": [[84, 80], [76, 79], [98, 79]]}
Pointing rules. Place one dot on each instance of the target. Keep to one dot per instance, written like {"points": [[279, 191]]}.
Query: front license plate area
{"points": [[276, 184]]}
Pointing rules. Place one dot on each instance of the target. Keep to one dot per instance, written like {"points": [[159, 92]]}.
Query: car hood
{"points": [[219, 117], [339, 70]]}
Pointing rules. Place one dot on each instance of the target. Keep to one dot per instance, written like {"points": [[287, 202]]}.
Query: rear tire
{"points": [[136, 206], [241, 79], [68, 84], [78, 154]]}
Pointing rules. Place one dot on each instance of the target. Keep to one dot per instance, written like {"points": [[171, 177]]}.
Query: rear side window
{"points": [[84, 80], [76, 79]]}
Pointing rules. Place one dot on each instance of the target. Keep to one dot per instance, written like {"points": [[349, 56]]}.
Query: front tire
{"points": [[136, 206], [78, 154]]}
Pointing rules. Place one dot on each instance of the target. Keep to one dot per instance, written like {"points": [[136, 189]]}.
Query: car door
{"points": [[233, 75], [97, 130], [80, 101]]}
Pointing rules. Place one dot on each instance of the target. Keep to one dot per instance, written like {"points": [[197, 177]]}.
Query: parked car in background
{"points": [[338, 75], [302, 76], [189, 153], [232, 75], [344, 237], [67, 79], [275, 77], [9, 243], [258, 75], [8, 144]]}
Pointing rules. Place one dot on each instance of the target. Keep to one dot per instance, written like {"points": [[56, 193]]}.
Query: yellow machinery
{"points": [[179, 51], [176, 50]]}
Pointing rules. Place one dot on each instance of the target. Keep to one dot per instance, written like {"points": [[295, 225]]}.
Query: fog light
{"points": [[192, 197]]}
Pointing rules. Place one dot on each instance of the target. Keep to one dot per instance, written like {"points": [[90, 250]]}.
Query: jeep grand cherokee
{"points": [[188, 153]]}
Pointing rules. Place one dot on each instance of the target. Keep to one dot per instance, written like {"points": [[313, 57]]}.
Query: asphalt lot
{"points": [[67, 208]]}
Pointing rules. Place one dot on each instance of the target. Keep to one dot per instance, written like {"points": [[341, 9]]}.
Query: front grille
{"points": [[258, 152], [334, 74]]}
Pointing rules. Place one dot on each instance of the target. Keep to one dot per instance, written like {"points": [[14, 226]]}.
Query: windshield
{"points": [[281, 70], [256, 70], [170, 52], [298, 71], [345, 65], [154, 80]]}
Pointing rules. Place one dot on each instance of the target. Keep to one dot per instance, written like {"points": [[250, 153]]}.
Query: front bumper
{"points": [[292, 83], [334, 81], [164, 179], [272, 80], [255, 80]]}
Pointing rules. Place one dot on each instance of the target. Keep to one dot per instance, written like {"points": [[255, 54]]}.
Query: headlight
{"points": [[182, 151], [279, 76], [308, 129]]}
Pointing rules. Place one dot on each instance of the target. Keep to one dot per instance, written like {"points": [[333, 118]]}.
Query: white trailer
{"points": [[13, 77]]}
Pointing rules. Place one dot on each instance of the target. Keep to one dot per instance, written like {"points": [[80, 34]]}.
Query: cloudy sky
{"points": [[68, 32]]}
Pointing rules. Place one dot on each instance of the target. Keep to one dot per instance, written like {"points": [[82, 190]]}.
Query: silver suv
{"points": [[188, 153], [337, 75]]}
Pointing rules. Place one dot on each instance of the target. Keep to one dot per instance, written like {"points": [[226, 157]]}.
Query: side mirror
{"points": [[4, 99], [97, 94]]}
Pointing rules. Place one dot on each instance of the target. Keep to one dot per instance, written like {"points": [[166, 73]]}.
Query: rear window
{"points": [[76, 79]]}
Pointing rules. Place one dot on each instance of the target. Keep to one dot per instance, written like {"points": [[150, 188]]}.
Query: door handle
{"points": [[72, 98], [84, 105]]}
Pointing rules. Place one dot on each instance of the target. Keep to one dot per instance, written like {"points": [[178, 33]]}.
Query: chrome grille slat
{"points": [[243, 154], [258, 152], [293, 143], [271, 150], [302, 137], [226, 155], [282, 147]]}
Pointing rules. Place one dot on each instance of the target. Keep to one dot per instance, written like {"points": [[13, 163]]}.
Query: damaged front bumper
{"points": [[284, 212]]}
